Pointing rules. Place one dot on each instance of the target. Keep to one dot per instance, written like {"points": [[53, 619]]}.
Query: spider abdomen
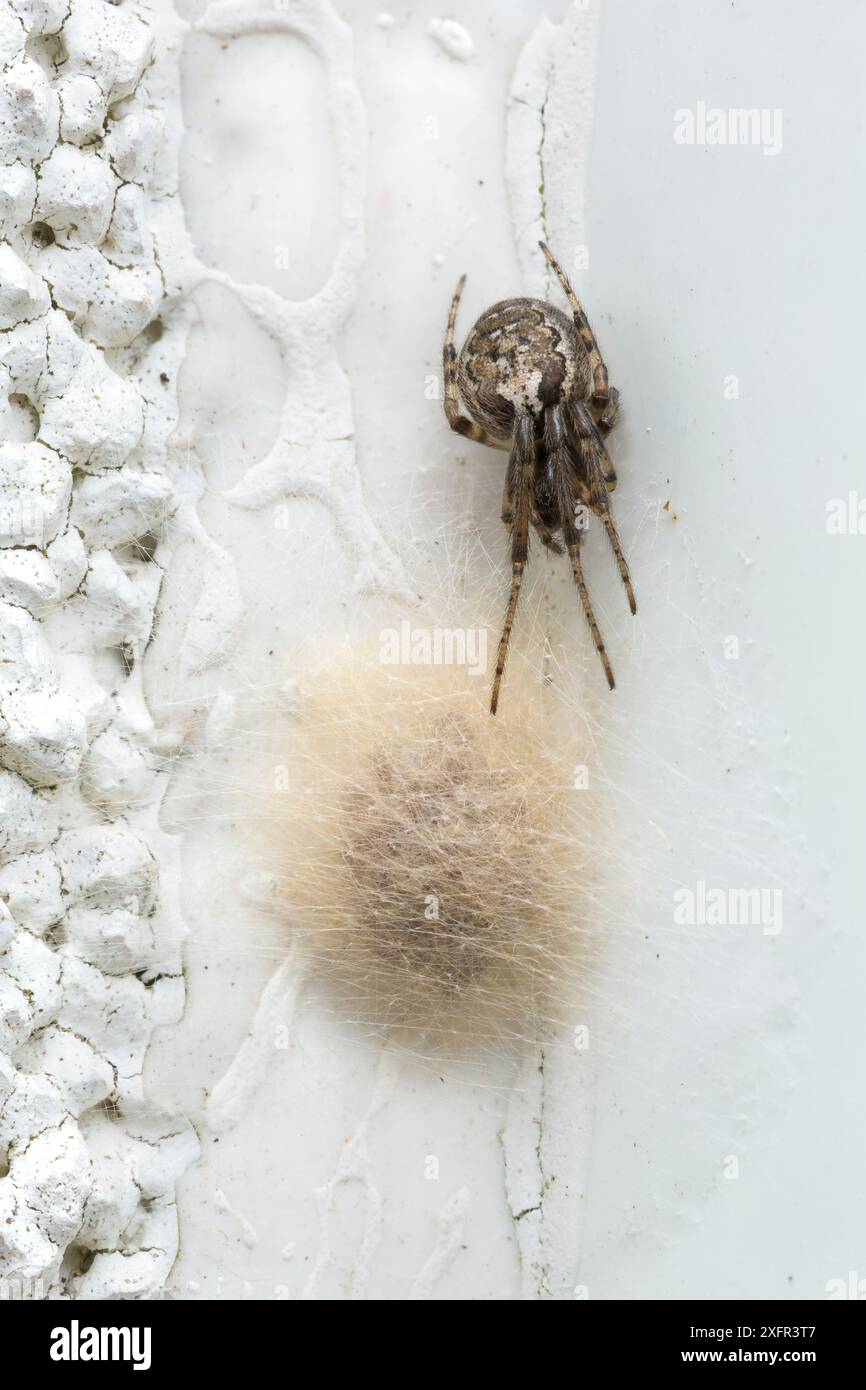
{"points": [[521, 356]]}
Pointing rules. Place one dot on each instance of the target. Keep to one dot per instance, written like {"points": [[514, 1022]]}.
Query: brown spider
{"points": [[535, 382]]}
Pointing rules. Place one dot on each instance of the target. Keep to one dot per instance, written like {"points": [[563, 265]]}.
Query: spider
{"points": [[535, 383]]}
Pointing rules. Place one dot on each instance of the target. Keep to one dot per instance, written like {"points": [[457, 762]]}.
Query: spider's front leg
{"points": [[604, 421], [556, 440], [520, 468], [542, 530], [544, 513], [601, 390], [507, 512], [593, 457], [606, 418]]}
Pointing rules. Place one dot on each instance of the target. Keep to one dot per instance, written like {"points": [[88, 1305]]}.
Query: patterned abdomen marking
{"points": [[521, 356]]}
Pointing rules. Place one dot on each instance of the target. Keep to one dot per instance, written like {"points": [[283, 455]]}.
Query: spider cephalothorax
{"points": [[535, 383]]}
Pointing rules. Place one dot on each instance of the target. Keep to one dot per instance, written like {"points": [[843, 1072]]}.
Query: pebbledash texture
{"points": [[91, 335]]}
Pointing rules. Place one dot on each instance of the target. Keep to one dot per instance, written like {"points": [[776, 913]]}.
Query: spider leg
{"points": [[521, 461], [544, 512], [606, 419], [507, 513], [602, 424], [459, 423], [592, 449], [600, 388], [544, 533], [557, 444]]}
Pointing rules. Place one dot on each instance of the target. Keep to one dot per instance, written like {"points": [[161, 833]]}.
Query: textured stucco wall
{"points": [[90, 349]]}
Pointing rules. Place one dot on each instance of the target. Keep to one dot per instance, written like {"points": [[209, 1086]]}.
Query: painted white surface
{"points": [[338, 174], [708, 1044]]}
